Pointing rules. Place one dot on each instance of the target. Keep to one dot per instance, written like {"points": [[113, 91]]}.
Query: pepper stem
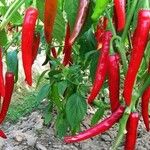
{"points": [[129, 19]]}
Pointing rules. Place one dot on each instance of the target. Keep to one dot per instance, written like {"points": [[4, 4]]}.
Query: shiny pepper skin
{"points": [[36, 43], [120, 10], [28, 30], [114, 81], [80, 19], [9, 86], [131, 135], [144, 107], [140, 39], [97, 129], [2, 86], [50, 12], [67, 47], [101, 67]]}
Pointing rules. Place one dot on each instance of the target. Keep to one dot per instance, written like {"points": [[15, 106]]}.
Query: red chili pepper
{"points": [[114, 81], [2, 134], [141, 39], [28, 29], [120, 11], [50, 12], [97, 129], [131, 131], [54, 53], [144, 106], [80, 19], [67, 37], [101, 67], [67, 47], [36, 42], [2, 86], [9, 86]]}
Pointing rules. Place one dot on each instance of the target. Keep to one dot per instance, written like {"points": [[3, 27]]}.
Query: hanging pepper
{"points": [[120, 13], [114, 81], [97, 129], [67, 47], [131, 135], [36, 42], [101, 67], [141, 39], [100, 6], [67, 37], [2, 86], [54, 53], [80, 19], [144, 106], [2, 134], [28, 29], [50, 12], [9, 86]]}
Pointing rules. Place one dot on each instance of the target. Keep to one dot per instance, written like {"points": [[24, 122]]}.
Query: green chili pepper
{"points": [[100, 6]]}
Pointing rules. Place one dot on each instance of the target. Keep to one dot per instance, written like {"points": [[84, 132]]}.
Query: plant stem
{"points": [[129, 19], [111, 24], [10, 43], [15, 6]]}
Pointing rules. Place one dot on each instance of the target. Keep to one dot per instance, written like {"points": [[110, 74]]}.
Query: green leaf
{"points": [[71, 8], [61, 125], [97, 116], [76, 108], [40, 6], [48, 114], [41, 77], [12, 63], [43, 93], [62, 87], [16, 19], [55, 97], [3, 37], [59, 27]]}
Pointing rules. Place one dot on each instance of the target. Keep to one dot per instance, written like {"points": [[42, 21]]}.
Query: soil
{"points": [[30, 134]]}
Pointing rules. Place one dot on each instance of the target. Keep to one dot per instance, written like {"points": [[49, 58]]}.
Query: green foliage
{"points": [[3, 37], [76, 108]]}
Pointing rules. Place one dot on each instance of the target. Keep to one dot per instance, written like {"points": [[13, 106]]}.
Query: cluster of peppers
{"points": [[108, 62], [108, 65], [6, 90]]}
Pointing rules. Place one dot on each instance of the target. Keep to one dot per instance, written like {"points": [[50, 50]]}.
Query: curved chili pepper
{"points": [[2, 134], [50, 12], [53, 50], [131, 135], [120, 11], [2, 86], [140, 38], [67, 37], [36, 42], [100, 6], [9, 86], [144, 106], [67, 47], [80, 19], [27, 41], [114, 81], [97, 129], [101, 67]]}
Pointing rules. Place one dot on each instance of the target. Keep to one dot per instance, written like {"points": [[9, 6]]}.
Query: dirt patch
{"points": [[30, 134]]}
